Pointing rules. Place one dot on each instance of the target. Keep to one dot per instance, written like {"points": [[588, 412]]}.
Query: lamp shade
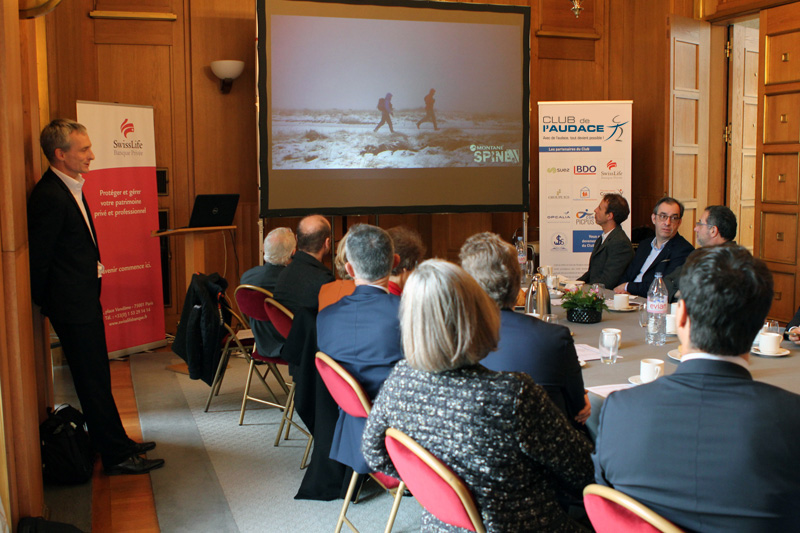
{"points": [[227, 69]]}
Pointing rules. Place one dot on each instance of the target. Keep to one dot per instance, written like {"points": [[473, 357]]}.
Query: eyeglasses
{"points": [[663, 217], [700, 223]]}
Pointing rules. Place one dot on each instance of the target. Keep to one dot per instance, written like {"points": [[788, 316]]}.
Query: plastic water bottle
{"points": [[522, 256], [657, 307]]}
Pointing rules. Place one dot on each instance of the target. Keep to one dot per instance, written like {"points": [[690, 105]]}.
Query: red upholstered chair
{"points": [[612, 511], [351, 398], [435, 486]]}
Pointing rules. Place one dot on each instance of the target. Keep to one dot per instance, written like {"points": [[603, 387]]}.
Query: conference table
{"points": [[782, 372]]}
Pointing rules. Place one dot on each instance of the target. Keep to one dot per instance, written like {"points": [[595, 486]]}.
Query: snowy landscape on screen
{"points": [[336, 139]]}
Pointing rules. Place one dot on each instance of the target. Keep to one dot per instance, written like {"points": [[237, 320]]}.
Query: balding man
{"points": [[279, 245], [298, 285]]}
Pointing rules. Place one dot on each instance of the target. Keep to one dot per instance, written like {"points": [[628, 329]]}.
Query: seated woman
{"points": [[498, 431], [546, 352], [332, 292], [409, 246]]}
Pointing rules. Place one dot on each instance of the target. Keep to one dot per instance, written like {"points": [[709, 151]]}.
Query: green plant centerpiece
{"points": [[584, 306]]}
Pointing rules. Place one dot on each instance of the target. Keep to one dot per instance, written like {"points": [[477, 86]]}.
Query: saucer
{"points": [[636, 380], [782, 352], [674, 354], [628, 309]]}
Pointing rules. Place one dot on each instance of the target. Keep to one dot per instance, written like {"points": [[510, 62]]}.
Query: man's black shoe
{"points": [[134, 465], [143, 447]]}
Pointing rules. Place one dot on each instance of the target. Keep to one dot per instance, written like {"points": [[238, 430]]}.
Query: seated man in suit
{"points": [[298, 285], [717, 225], [707, 447], [362, 331], [278, 247], [612, 251], [544, 351], [666, 252]]}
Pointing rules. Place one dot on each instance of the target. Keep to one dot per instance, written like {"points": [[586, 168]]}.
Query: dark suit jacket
{"points": [[63, 255], [268, 341], [792, 323], [298, 285], [362, 332], [546, 352], [673, 255], [609, 259], [707, 448]]}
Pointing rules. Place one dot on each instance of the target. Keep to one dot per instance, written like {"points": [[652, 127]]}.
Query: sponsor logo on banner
{"points": [[616, 129], [585, 193], [559, 195], [493, 154], [558, 241], [583, 240], [611, 164], [584, 218], [126, 128], [585, 170], [556, 170], [559, 218]]}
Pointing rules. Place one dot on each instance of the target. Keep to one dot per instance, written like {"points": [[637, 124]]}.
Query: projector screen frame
{"points": [[264, 135]]}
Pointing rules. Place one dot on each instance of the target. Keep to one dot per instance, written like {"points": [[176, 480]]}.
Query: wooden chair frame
{"points": [[639, 509]]}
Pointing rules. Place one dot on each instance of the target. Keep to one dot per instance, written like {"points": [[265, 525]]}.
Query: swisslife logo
{"points": [[612, 172], [126, 128]]}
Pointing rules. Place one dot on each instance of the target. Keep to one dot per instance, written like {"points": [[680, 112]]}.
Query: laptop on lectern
{"points": [[213, 210]]}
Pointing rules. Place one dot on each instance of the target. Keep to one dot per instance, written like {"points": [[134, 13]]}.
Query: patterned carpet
{"points": [[223, 477]]}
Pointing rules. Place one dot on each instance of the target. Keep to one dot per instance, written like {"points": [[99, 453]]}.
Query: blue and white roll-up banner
{"points": [[584, 154]]}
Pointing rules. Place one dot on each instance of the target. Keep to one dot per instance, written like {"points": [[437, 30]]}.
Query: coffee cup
{"points": [[621, 302], [672, 326], [769, 343], [650, 369], [673, 308]]}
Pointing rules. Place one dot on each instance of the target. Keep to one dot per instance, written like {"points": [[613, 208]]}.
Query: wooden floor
{"points": [[123, 503]]}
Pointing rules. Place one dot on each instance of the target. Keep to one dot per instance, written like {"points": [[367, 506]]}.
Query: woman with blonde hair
{"points": [[332, 292], [498, 431]]}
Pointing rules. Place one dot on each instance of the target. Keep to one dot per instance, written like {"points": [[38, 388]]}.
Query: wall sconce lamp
{"points": [[227, 71], [576, 7]]}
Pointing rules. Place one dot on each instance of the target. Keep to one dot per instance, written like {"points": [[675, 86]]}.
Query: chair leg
{"points": [[286, 407], [304, 462], [398, 497], [246, 390], [342, 518], [217, 383]]}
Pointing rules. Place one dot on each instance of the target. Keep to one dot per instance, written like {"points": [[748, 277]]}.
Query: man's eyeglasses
{"points": [[663, 217], [701, 223]]}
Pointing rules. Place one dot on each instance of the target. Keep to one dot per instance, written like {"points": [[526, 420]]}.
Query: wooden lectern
{"points": [[194, 247]]}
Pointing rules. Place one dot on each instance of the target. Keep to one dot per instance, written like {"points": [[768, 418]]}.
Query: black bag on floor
{"points": [[40, 525], [67, 455]]}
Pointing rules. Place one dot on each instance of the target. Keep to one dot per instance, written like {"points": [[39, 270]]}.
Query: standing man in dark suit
{"points": [[666, 252], [362, 331], [546, 352], [612, 251], [65, 282], [707, 447], [298, 285], [278, 247]]}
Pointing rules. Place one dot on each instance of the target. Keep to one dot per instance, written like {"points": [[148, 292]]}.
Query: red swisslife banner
{"points": [[121, 192]]}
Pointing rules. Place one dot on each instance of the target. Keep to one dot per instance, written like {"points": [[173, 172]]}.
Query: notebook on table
{"points": [[213, 210]]}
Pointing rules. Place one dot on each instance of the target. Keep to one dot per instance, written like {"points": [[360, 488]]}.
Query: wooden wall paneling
{"points": [[778, 146], [689, 108], [20, 472], [450, 232], [224, 125]]}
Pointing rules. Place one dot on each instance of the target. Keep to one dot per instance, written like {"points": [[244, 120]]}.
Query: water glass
{"points": [[551, 319], [644, 316], [610, 339], [771, 326]]}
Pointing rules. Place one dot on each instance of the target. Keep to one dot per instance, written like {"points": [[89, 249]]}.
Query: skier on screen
{"points": [[430, 116], [385, 107]]}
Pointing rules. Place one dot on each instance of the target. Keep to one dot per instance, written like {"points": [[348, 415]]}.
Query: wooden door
{"points": [[688, 124], [778, 155], [743, 117]]}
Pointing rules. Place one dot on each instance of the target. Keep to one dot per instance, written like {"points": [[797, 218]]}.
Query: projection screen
{"points": [[401, 107]]}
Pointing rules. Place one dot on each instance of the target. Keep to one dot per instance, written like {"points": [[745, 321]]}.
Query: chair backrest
{"points": [[435, 486], [250, 300], [280, 317], [613, 511], [346, 391]]}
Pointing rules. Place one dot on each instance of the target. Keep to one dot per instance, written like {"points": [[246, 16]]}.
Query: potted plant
{"points": [[584, 306]]}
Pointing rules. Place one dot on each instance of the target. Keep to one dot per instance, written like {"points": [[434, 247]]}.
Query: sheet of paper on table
{"points": [[589, 353], [604, 390]]}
